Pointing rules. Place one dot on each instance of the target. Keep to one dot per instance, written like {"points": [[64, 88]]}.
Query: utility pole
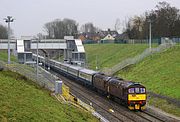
{"points": [[8, 20]]}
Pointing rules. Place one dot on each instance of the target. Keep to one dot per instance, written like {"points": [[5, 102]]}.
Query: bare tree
{"points": [[71, 27], [60, 28], [165, 21], [89, 28], [49, 29]]}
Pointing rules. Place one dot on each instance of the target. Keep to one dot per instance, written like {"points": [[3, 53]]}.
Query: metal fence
{"points": [[44, 78], [176, 40], [123, 41], [132, 41], [111, 71]]}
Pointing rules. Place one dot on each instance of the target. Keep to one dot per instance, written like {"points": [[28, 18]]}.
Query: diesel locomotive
{"points": [[129, 93], [132, 94]]}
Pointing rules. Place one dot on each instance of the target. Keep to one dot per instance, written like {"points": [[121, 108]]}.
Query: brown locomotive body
{"points": [[113, 87], [129, 93], [117, 89], [100, 82]]}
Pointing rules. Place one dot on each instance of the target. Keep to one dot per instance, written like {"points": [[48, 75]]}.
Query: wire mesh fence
{"points": [[44, 78], [111, 71]]}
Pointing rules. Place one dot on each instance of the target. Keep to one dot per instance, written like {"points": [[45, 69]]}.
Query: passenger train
{"points": [[132, 94]]}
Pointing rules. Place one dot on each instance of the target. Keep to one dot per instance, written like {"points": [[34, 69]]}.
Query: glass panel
{"points": [[85, 76], [72, 71], [64, 68], [131, 90], [137, 90], [142, 90]]}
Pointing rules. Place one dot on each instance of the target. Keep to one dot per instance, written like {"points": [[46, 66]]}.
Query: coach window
{"points": [[131, 90]]}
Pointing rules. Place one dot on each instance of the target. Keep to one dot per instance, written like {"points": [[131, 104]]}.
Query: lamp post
{"points": [[8, 20], [37, 62], [37, 51]]}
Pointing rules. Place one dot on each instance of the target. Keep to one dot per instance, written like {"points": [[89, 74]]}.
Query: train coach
{"points": [[132, 94]]}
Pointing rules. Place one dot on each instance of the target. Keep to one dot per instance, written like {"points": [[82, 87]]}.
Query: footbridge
{"points": [[23, 45], [71, 49]]}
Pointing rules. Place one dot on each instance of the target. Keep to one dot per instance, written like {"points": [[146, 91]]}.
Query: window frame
{"points": [[144, 90], [130, 92]]}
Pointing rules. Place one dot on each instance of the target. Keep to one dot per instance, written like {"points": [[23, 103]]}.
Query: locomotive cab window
{"points": [[131, 90], [136, 90], [142, 90]]}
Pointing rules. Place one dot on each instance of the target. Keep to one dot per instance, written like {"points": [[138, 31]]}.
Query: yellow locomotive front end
{"points": [[136, 98]]}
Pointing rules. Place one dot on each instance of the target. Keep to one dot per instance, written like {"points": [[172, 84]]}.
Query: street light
{"points": [[37, 51], [37, 62], [8, 20]]}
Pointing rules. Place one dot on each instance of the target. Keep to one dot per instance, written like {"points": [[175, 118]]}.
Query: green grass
{"points": [[159, 72], [164, 105], [4, 56], [22, 100], [109, 55]]}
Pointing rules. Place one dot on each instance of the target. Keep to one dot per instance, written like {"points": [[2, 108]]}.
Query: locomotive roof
{"points": [[124, 83], [117, 82], [133, 84]]}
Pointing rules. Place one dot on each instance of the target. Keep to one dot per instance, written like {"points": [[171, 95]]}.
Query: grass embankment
{"points": [[22, 100], [160, 73], [108, 55], [4, 56], [164, 105]]}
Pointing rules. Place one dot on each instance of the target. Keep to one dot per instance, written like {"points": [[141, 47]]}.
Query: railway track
{"points": [[103, 105], [88, 98], [102, 109]]}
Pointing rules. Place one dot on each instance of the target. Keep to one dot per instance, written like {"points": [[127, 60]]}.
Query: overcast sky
{"points": [[31, 15]]}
